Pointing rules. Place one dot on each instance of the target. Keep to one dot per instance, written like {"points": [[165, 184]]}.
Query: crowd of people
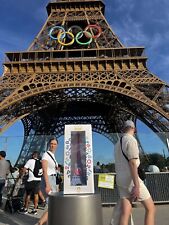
{"points": [[42, 173], [37, 178]]}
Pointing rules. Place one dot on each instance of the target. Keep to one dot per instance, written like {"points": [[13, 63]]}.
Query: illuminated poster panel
{"points": [[78, 160]]}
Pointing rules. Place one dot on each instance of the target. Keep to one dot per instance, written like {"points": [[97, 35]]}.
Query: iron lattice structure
{"points": [[62, 80]]}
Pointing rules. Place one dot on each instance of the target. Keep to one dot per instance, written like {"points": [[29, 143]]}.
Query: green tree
{"points": [[153, 159], [110, 167], [167, 161]]}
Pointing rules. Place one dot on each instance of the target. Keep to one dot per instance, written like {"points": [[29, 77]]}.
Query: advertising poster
{"points": [[78, 159], [106, 181]]}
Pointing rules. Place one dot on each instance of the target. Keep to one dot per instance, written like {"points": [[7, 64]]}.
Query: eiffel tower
{"points": [[76, 70]]}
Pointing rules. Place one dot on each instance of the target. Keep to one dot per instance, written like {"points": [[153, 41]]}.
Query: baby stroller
{"points": [[15, 195]]}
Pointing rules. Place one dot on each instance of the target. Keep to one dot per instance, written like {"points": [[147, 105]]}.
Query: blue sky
{"points": [[136, 23]]}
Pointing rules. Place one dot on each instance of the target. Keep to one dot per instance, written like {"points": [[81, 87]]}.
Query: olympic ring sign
{"points": [[75, 33]]}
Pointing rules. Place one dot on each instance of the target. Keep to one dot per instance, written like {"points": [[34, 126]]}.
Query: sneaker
{"points": [[43, 204], [34, 212], [23, 211]]}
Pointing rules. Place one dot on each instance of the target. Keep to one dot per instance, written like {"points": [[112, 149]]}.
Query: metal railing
{"points": [[157, 184]]}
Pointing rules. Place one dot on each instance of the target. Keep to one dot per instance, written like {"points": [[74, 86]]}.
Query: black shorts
{"points": [[32, 187]]}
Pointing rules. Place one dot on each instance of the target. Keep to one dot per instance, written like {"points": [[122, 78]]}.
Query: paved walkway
{"points": [[162, 216]]}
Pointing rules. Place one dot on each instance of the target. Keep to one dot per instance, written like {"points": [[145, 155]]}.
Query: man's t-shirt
{"points": [[130, 149], [30, 165]]}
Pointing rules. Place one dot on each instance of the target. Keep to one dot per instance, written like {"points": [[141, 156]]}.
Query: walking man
{"points": [[32, 185], [131, 188]]}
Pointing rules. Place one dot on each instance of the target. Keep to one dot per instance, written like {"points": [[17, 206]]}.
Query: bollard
{"points": [[81, 209]]}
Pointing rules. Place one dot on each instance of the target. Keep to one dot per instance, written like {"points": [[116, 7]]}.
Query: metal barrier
{"points": [[157, 184]]}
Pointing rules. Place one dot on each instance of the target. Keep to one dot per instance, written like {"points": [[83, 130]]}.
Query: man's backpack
{"points": [[37, 172]]}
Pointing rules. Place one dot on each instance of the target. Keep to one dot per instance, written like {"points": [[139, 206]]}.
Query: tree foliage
{"points": [[154, 159]]}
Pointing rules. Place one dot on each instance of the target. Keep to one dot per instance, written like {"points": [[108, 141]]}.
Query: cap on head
{"points": [[129, 123], [3, 154]]}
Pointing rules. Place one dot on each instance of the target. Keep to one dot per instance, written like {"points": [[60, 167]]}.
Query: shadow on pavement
{"points": [[17, 219]]}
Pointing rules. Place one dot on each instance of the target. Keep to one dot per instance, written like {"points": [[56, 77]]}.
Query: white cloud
{"points": [[130, 32], [155, 42], [125, 4]]}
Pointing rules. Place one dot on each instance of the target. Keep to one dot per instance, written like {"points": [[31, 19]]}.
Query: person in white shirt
{"points": [[130, 186], [32, 184], [12, 176], [50, 166]]}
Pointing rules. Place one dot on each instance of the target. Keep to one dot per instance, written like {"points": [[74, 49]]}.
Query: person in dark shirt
{"points": [[4, 171]]}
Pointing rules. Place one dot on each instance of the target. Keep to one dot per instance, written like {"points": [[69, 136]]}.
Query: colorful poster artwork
{"points": [[78, 159]]}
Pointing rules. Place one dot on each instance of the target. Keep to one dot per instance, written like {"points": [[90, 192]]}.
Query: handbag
{"points": [[58, 179], [141, 171]]}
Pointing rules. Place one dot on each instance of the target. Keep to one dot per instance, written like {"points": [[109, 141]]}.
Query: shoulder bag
{"points": [[141, 172]]}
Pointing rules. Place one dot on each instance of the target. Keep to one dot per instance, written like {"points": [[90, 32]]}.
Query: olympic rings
{"points": [[54, 28], [75, 33], [80, 35], [64, 34], [98, 29], [74, 28]]}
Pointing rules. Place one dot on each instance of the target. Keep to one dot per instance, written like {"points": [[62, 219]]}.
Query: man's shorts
{"points": [[126, 192], [32, 187]]}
